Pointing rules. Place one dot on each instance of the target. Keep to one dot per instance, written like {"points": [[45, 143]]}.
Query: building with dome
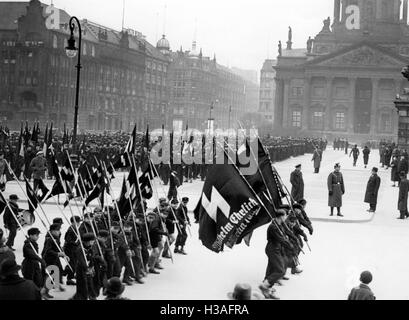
{"points": [[344, 82]]}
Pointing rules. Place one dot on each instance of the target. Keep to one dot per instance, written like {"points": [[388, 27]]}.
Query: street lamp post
{"points": [[71, 52]]}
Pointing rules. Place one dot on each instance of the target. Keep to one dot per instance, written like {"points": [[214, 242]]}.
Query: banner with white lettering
{"points": [[226, 208]]}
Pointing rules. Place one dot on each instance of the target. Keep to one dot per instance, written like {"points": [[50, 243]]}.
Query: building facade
{"points": [[125, 81], [201, 89], [345, 81], [267, 90], [122, 75]]}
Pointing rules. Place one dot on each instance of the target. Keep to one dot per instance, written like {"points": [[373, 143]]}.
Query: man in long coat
{"points": [[317, 157], [336, 190], [297, 182], [366, 153], [355, 153], [371, 194], [403, 196]]}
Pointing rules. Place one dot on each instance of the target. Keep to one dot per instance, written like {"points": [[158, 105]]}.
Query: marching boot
{"points": [[279, 283], [127, 281], [176, 249], [182, 251], [265, 289], [166, 255], [285, 278], [296, 271], [158, 266]]}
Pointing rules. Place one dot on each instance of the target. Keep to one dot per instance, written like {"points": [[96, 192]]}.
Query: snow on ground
{"points": [[340, 251]]}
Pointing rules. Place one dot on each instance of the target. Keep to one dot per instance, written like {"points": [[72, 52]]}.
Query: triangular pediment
{"points": [[360, 56]]}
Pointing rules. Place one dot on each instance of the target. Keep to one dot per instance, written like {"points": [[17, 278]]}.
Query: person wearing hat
{"points": [[5, 252], [71, 243], [355, 153], [103, 244], [242, 291], [33, 266], [9, 219], [366, 151], [88, 225], [39, 166], [156, 232], [183, 219], [403, 196], [297, 183], [13, 287], [295, 235], [336, 189], [170, 223], [363, 292], [372, 188], [143, 242], [276, 241], [317, 159], [126, 254], [114, 289], [51, 251], [302, 218], [86, 269], [114, 262]]}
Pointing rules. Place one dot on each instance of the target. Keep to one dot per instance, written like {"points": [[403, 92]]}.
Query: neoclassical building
{"points": [[344, 82]]}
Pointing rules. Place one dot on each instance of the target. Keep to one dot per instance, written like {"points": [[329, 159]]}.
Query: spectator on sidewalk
{"points": [[363, 292]]}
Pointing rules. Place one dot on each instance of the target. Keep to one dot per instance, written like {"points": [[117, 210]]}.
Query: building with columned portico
{"points": [[344, 82]]}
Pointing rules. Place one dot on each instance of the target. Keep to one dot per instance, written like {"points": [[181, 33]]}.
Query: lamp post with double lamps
{"points": [[72, 51]]}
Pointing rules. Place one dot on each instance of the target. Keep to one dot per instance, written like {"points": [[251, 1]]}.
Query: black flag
{"points": [[32, 199], [226, 208], [145, 183], [3, 203]]}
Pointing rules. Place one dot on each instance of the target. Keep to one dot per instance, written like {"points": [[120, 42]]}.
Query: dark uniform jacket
{"points": [[8, 219], [403, 195], [181, 215], [156, 231], [50, 251], [33, 265], [276, 239], [371, 194], [71, 241], [297, 182]]}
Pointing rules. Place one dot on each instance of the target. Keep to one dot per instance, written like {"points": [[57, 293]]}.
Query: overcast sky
{"points": [[242, 33]]}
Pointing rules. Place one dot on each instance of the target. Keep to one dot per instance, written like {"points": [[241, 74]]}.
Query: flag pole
{"points": [[157, 206], [42, 221], [82, 199], [119, 216], [140, 197], [22, 229]]}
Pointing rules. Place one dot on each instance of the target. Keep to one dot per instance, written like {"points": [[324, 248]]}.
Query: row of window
{"points": [[156, 66], [339, 121], [342, 92]]}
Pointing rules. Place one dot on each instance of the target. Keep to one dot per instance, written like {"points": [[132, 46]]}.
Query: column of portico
{"points": [[328, 117], [374, 107], [306, 103], [286, 102], [351, 108]]}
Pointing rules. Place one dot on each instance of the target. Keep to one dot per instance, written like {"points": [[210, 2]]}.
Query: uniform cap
{"points": [[88, 237], [33, 231]]}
